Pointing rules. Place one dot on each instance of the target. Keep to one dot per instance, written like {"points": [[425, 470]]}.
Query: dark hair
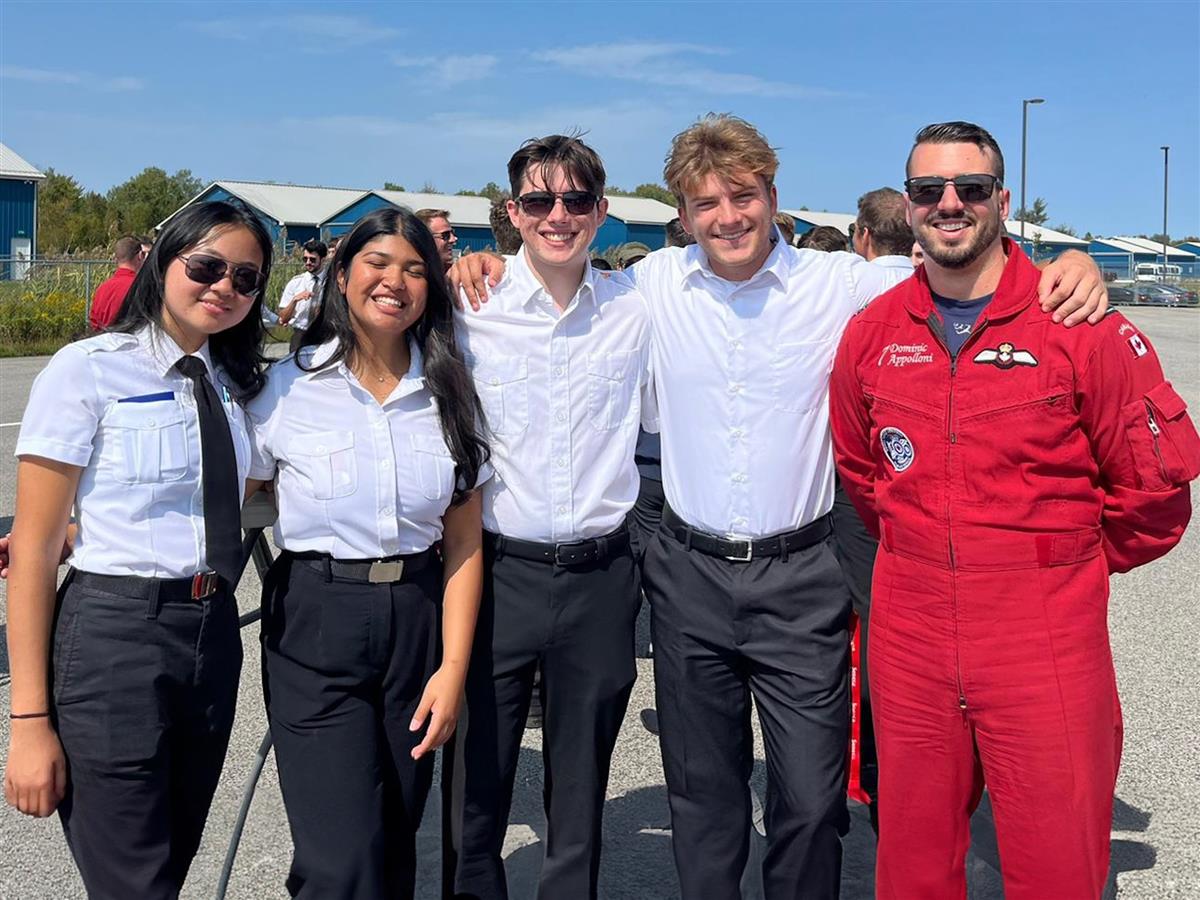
{"points": [[677, 235], [507, 235], [958, 133], [579, 162], [881, 212], [238, 349], [825, 238], [128, 248], [459, 409], [786, 225], [317, 247], [599, 262]]}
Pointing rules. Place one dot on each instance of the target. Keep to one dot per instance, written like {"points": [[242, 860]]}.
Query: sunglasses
{"points": [[540, 203], [970, 188], [204, 269], [444, 236]]}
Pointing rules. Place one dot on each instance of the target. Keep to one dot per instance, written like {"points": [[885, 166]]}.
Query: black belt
{"points": [[576, 553], [744, 551], [200, 586], [386, 570]]}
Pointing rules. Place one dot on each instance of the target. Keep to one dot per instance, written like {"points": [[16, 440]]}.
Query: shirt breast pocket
{"points": [[435, 466], [151, 442], [800, 375], [503, 387], [326, 460], [612, 379]]}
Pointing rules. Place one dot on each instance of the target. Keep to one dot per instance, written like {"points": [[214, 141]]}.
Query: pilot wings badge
{"points": [[1005, 357]]}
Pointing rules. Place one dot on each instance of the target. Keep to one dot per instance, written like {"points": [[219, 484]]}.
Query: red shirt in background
{"points": [[107, 300]]}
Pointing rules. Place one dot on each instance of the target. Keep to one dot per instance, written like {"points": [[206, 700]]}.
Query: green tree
{"points": [[655, 192], [1066, 229], [68, 217], [428, 187], [392, 186], [147, 198], [491, 190], [1036, 215]]}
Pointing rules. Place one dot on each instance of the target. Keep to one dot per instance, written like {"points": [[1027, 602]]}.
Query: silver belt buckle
{"points": [[749, 550], [385, 572]]}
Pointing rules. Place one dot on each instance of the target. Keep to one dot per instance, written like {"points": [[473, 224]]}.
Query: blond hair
{"points": [[719, 143]]}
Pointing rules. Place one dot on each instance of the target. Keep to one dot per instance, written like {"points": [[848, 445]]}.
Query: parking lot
{"points": [[1156, 854]]}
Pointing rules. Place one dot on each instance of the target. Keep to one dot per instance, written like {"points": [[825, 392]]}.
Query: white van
{"points": [[1154, 272]]}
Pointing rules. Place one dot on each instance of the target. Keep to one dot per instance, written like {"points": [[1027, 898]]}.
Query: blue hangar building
{"points": [[18, 213]]}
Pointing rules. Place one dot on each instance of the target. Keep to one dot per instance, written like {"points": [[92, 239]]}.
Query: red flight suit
{"points": [[1005, 487]]}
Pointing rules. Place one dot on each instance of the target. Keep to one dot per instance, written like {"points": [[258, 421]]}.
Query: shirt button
{"points": [[562, 417], [321, 448], [495, 381], [739, 478], [736, 433], [562, 510], [560, 462], [558, 372], [388, 512], [735, 345], [735, 388]]}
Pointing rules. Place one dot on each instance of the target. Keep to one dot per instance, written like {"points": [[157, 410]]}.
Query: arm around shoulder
{"points": [[850, 422]]}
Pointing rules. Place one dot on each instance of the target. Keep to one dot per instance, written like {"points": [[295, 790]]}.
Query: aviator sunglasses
{"points": [[970, 188], [539, 203], [204, 269]]}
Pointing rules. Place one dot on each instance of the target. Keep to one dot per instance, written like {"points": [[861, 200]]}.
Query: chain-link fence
{"points": [[44, 303]]}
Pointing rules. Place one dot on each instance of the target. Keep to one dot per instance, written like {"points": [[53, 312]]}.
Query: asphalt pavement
{"points": [[1156, 854]]}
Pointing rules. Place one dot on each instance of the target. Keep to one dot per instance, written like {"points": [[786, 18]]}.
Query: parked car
{"points": [[1120, 296], [1154, 295], [1184, 296]]}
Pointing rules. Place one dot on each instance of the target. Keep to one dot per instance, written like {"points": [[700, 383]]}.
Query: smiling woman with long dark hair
{"points": [[371, 433], [124, 686]]}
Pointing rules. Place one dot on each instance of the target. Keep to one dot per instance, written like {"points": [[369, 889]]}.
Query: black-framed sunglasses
{"points": [[540, 203], [928, 190], [444, 236], [204, 269]]}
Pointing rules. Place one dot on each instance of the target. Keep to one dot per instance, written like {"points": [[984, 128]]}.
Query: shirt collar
{"points": [[164, 352], [894, 262], [413, 380], [778, 264], [526, 286]]}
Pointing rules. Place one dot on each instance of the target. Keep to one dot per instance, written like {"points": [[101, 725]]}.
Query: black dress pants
{"points": [[577, 624], [345, 665], [723, 632], [856, 555], [144, 697], [646, 515]]}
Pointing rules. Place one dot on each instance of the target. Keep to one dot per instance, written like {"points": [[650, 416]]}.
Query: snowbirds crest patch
{"points": [[897, 448]]}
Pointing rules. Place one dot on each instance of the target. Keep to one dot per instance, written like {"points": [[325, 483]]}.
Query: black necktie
{"points": [[222, 493]]}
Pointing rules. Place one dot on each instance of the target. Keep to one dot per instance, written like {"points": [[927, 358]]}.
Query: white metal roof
{"points": [[291, 204], [469, 212], [13, 166], [1047, 235], [1124, 246], [840, 221], [1149, 246], [640, 210]]}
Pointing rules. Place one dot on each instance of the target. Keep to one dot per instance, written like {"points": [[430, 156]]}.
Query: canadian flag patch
{"points": [[1137, 345]]}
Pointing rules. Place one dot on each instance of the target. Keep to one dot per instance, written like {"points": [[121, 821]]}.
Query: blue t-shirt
{"points": [[958, 318]]}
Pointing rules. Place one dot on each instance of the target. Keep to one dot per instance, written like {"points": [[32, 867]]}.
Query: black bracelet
{"points": [[41, 715]]}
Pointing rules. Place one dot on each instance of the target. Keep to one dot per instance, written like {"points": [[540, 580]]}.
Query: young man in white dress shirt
{"points": [[301, 297], [560, 361]]}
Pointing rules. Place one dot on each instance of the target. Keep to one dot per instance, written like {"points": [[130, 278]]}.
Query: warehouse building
{"points": [[18, 213], [468, 215]]}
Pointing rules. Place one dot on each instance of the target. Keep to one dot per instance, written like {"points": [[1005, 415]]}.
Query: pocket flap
{"points": [[614, 366], [501, 370], [1167, 401], [320, 443], [429, 443], [144, 415]]}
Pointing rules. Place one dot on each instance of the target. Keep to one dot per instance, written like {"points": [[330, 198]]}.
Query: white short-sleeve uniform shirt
{"points": [[563, 394], [355, 479], [741, 370], [115, 405]]}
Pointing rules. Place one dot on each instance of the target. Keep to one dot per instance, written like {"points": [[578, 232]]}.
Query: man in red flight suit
{"points": [[1008, 466]]}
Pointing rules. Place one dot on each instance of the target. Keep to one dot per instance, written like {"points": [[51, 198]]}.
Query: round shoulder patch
{"points": [[897, 448]]}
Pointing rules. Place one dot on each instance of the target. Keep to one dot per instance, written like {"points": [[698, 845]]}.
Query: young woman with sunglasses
{"points": [[371, 434], [124, 685]]}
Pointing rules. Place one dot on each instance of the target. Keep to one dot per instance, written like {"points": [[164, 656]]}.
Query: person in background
{"points": [[917, 255], [301, 297], [508, 238], [787, 227], [677, 235], [130, 253], [370, 432], [881, 232], [631, 253], [438, 223], [824, 238], [124, 685]]}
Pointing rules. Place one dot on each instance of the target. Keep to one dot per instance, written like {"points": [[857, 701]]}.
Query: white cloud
{"points": [[672, 65], [443, 71], [304, 32], [84, 79]]}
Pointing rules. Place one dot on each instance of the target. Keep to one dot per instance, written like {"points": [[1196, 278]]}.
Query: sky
{"points": [[441, 93]]}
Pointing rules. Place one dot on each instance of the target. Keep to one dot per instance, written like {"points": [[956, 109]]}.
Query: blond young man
{"points": [[438, 222], [746, 593]]}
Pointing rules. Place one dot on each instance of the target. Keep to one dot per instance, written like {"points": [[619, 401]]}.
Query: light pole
{"points": [[1024, 136], [1166, 153]]}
